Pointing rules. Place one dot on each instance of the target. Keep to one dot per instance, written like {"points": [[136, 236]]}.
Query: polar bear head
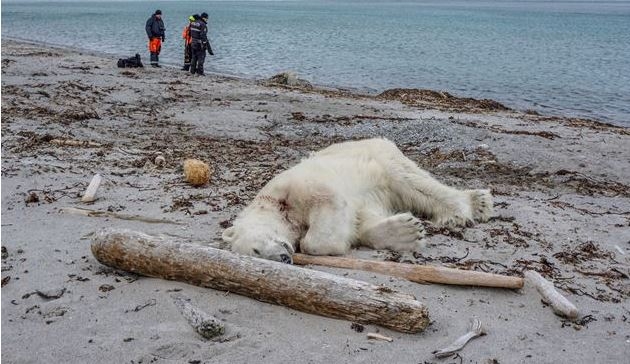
{"points": [[263, 232]]}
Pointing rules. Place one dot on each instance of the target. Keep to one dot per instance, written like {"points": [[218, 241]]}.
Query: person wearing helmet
{"points": [[155, 31], [187, 42], [200, 44]]}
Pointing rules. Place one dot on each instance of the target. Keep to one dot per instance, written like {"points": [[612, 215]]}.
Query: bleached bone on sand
{"points": [[90, 192], [475, 330], [302, 289], [204, 324], [414, 272], [560, 305]]}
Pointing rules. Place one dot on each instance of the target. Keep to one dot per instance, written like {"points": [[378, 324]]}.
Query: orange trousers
{"points": [[155, 45]]}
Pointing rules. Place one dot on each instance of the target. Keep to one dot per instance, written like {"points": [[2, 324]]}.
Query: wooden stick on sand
{"points": [[415, 273]]}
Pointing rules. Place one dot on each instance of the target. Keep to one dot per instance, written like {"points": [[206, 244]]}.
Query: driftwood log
{"points": [[414, 272], [298, 288]]}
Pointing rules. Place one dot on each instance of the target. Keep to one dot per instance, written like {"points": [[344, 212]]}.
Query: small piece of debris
{"points": [[150, 302], [31, 198], [105, 288], [375, 336], [128, 339], [357, 327], [51, 294]]}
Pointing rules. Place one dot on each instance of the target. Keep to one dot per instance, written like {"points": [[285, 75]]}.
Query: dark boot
{"points": [[154, 60]]}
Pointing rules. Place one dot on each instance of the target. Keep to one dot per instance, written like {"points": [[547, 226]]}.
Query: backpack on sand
{"points": [[131, 62]]}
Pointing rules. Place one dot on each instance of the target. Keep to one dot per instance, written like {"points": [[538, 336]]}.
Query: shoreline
{"points": [[342, 89], [560, 186]]}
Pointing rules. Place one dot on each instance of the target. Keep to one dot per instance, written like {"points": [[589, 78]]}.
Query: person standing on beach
{"points": [[200, 44], [155, 31], [188, 41]]}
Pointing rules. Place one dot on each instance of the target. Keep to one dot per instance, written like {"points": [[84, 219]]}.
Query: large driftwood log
{"points": [[302, 289], [415, 273]]}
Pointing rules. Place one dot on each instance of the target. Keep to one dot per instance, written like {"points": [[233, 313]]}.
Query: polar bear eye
{"points": [[256, 251]]}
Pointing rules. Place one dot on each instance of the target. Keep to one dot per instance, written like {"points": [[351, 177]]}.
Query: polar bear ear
{"points": [[228, 234]]}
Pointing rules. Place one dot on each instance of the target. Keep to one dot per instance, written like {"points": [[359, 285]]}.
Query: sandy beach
{"points": [[561, 190]]}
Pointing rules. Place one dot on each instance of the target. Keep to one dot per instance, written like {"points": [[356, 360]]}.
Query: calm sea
{"points": [[557, 57]]}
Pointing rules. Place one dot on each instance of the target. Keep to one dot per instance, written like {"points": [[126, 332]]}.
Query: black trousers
{"points": [[187, 56], [198, 58]]}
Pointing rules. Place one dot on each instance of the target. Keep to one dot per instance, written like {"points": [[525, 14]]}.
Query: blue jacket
{"points": [[155, 27]]}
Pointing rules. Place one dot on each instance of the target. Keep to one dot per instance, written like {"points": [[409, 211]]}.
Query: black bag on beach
{"points": [[131, 62]]}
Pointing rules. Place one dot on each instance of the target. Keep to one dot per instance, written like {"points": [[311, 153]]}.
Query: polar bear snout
{"points": [[273, 250], [259, 245]]}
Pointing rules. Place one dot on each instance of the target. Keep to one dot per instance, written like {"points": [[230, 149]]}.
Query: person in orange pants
{"points": [[187, 42], [155, 31]]}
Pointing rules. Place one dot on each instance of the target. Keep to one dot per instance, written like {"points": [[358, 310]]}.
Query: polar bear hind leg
{"points": [[422, 194]]}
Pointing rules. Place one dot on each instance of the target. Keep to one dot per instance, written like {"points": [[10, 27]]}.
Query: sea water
{"points": [[567, 58]]}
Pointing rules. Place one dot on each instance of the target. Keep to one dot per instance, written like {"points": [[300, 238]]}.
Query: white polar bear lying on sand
{"points": [[353, 193]]}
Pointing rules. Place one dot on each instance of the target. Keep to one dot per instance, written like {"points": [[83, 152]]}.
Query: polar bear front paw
{"points": [[402, 232], [481, 205]]}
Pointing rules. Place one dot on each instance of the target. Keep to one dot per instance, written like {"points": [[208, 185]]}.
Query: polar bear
{"points": [[356, 193]]}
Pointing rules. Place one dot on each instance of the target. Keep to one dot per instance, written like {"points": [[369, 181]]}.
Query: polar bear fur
{"points": [[354, 193]]}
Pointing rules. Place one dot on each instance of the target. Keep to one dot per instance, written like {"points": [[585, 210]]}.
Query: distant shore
{"points": [[560, 189]]}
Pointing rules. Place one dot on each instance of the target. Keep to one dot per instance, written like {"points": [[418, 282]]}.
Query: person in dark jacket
{"points": [[187, 42], [155, 31], [200, 44]]}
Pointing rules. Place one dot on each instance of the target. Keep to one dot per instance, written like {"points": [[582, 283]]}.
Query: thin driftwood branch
{"points": [[97, 213], [75, 143], [560, 305], [298, 288], [204, 324], [414, 272]]}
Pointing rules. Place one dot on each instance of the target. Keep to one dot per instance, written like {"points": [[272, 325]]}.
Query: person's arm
{"points": [[204, 35], [206, 42], [149, 27]]}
